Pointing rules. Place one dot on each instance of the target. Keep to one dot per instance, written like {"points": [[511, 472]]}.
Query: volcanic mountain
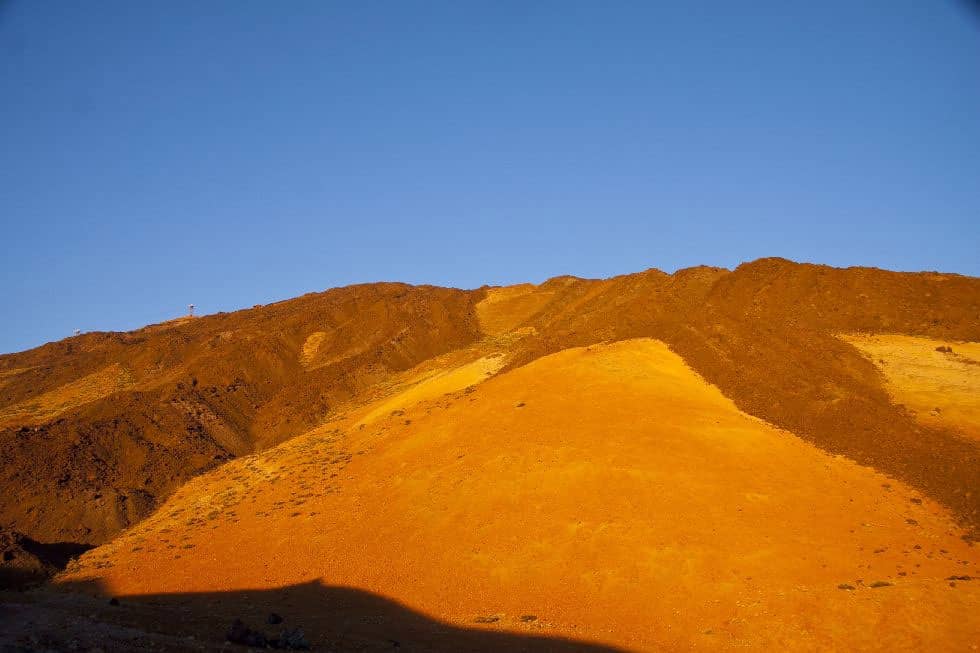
{"points": [[779, 455]]}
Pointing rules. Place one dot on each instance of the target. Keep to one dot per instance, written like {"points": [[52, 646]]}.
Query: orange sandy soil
{"points": [[941, 387], [504, 309], [50, 405], [608, 491]]}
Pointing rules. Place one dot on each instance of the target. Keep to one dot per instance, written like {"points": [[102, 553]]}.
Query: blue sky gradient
{"points": [[234, 153]]}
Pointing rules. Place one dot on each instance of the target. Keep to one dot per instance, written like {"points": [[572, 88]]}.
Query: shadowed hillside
{"points": [[96, 428]]}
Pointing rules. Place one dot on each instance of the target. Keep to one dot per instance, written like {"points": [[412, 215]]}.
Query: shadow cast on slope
{"points": [[332, 618], [25, 561], [55, 553]]}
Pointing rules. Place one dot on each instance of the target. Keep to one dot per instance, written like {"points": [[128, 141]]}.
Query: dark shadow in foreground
{"points": [[25, 562], [331, 619]]}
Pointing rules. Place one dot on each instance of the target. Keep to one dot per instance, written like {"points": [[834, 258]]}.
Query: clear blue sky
{"points": [[154, 154]]}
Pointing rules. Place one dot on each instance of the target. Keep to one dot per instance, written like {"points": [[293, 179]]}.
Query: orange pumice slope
{"points": [[98, 429], [777, 456], [938, 380], [607, 491]]}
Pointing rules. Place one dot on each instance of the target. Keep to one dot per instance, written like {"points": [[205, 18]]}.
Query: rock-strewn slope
{"points": [[95, 430], [604, 493]]}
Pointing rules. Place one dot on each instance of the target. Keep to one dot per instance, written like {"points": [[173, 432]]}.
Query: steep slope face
{"points": [[766, 335], [605, 493], [94, 429]]}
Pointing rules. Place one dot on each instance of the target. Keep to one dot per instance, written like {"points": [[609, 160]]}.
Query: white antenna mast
{"points": [[190, 310]]}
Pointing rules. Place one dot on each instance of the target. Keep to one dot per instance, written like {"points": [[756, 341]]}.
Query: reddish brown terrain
{"points": [[783, 455], [96, 429]]}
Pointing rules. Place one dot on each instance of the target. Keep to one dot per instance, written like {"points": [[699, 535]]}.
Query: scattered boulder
{"points": [[273, 619], [487, 620], [293, 639], [239, 633]]}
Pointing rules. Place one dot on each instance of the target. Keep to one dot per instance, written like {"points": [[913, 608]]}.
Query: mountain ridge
{"points": [[189, 395]]}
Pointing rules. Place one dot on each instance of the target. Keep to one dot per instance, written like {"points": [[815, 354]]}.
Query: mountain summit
{"points": [[778, 455]]}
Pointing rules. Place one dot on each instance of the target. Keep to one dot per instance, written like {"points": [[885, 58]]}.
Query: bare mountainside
{"points": [[788, 451], [97, 428]]}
